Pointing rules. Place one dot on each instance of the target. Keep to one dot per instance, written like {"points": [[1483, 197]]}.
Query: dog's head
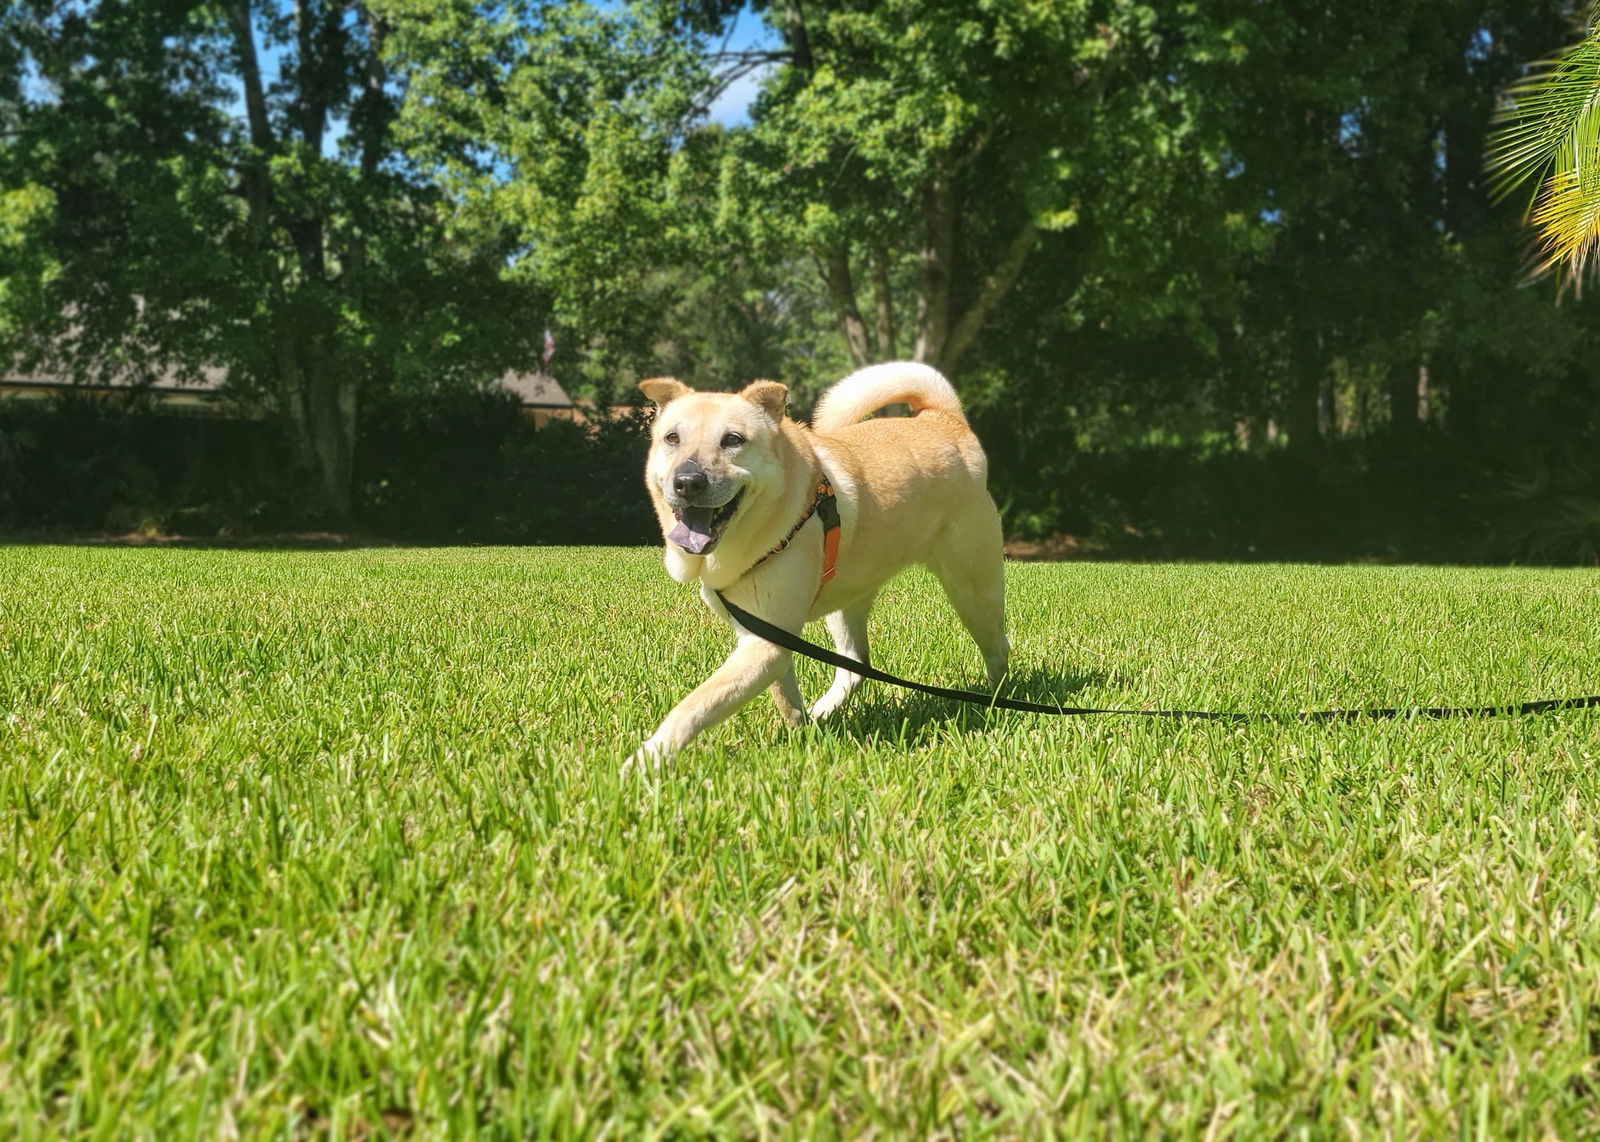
{"points": [[710, 454]]}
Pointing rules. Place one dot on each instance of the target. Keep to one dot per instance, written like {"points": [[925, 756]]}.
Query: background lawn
{"points": [[302, 843]]}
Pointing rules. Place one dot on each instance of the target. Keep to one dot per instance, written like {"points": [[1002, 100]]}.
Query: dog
{"points": [[795, 524]]}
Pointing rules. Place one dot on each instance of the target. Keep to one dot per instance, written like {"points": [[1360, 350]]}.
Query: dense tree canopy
{"points": [[191, 184], [1228, 227]]}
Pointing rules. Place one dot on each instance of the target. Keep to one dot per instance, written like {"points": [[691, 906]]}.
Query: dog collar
{"points": [[824, 504]]}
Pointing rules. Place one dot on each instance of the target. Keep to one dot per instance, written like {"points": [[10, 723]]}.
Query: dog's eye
{"points": [[671, 438], [732, 440]]}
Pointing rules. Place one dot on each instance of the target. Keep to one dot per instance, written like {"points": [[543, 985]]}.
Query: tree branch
{"points": [[741, 58], [727, 79], [372, 114], [995, 287], [309, 77], [800, 40], [255, 100]]}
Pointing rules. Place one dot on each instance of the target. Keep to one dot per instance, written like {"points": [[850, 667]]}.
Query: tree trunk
{"points": [[373, 112], [938, 251], [1462, 408], [883, 300], [316, 402], [943, 338], [1404, 401], [319, 412], [244, 48], [334, 438], [292, 404], [835, 264], [1304, 412], [794, 23]]}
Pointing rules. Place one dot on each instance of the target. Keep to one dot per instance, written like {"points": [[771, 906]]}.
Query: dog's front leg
{"points": [[754, 663], [787, 697]]}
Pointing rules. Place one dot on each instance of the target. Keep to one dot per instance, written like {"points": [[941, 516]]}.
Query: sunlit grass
{"points": [[299, 844]]}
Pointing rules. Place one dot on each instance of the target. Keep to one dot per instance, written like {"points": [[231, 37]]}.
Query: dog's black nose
{"points": [[688, 482]]}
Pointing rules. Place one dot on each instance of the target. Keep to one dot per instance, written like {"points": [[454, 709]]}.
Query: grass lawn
{"points": [[304, 844]]}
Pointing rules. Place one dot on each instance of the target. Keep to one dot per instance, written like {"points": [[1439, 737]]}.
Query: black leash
{"points": [[793, 642]]}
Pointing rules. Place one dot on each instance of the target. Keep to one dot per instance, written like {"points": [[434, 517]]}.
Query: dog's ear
{"points": [[663, 390], [770, 396]]}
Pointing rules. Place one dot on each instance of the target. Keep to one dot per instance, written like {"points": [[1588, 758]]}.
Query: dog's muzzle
{"points": [[689, 481], [699, 525]]}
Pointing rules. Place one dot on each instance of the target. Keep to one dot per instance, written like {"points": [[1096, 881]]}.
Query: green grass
{"points": [[335, 844]]}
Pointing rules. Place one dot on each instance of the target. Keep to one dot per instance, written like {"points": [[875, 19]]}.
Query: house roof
{"points": [[209, 379], [535, 390]]}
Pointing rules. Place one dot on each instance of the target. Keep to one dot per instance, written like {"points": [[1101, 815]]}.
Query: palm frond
{"points": [[1567, 218], [1547, 134], [1541, 115]]}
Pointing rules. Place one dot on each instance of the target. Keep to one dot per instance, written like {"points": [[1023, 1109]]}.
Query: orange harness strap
{"points": [[825, 504], [828, 509]]}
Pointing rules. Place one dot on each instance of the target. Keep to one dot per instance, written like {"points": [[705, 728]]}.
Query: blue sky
{"points": [[733, 107]]}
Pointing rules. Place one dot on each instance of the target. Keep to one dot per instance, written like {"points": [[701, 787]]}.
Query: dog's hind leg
{"points": [[970, 564], [848, 629]]}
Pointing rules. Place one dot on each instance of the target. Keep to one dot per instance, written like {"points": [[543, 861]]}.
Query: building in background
{"points": [[542, 398]]}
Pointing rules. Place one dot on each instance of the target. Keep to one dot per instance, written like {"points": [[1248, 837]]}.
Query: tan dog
{"points": [[734, 480]]}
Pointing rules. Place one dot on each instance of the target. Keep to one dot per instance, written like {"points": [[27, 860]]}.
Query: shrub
{"points": [[1548, 511], [86, 462], [459, 468], [472, 468]]}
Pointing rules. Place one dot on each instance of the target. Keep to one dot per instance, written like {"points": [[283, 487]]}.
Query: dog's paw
{"points": [[647, 759], [827, 705]]}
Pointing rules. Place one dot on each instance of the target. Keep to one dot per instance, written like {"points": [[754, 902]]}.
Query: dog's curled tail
{"points": [[867, 390]]}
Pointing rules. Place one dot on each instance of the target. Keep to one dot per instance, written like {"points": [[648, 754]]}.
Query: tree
{"points": [[922, 151], [563, 125], [870, 165], [1355, 133], [197, 211]]}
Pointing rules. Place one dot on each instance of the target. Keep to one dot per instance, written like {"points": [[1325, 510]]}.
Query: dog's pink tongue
{"points": [[693, 535]]}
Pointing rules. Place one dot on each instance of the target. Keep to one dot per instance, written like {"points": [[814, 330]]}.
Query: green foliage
{"points": [[288, 240], [939, 149], [554, 127], [1426, 500], [86, 464], [25, 256], [1548, 511], [457, 467], [1112, 223], [346, 828]]}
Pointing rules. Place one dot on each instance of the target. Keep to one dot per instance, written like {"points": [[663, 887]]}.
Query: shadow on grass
{"points": [[883, 712]]}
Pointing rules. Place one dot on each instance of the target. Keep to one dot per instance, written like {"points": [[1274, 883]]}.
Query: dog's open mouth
{"points": [[699, 528]]}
